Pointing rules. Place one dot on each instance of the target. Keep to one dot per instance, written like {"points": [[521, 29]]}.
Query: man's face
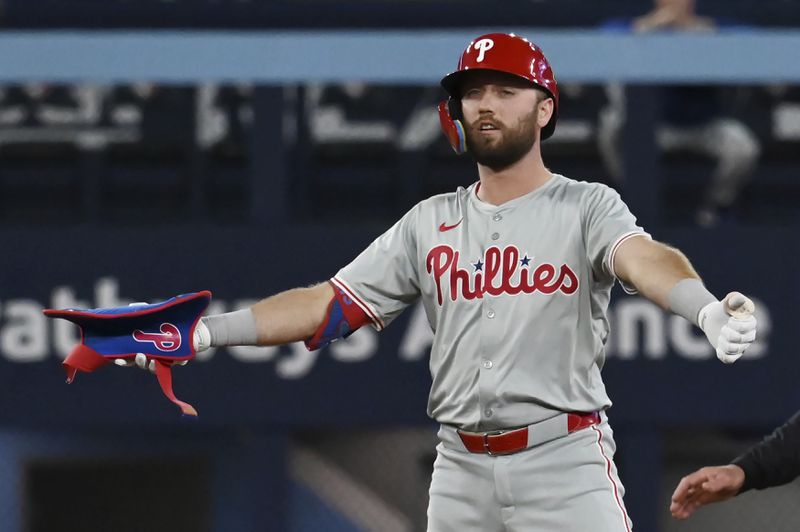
{"points": [[501, 115]]}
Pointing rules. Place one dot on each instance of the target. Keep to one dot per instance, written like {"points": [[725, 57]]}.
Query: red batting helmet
{"points": [[500, 52]]}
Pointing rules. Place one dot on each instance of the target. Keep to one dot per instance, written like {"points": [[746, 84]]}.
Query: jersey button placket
{"points": [[497, 217], [487, 379]]}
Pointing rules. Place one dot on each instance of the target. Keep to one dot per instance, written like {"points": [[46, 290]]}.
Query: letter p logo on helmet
{"points": [[483, 46]]}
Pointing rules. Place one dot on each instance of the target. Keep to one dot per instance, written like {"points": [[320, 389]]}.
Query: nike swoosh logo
{"points": [[444, 227]]}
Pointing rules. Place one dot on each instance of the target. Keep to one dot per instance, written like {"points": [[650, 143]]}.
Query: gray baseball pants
{"points": [[569, 484]]}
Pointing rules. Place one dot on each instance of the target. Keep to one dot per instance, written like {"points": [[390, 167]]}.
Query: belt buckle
{"points": [[486, 436]]}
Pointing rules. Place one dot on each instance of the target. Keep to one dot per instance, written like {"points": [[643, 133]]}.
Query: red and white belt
{"points": [[510, 441]]}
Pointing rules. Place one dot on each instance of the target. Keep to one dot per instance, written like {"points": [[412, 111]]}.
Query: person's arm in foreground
{"points": [[773, 462]]}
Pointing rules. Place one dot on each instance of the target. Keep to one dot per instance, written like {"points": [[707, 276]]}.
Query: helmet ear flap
{"points": [[450, 120], [454, 106]]}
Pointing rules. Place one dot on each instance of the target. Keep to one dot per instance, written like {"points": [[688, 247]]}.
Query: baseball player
{"points": [[515, 274], [773, 462]]}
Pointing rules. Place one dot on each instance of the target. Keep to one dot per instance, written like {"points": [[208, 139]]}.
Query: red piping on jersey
{"points": [[623, 238]]}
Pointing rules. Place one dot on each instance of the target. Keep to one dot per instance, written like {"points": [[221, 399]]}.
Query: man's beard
{"points": [[513, 146]]}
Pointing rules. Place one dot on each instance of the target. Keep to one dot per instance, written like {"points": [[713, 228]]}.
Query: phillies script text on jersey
{"points": [[497, 264]]}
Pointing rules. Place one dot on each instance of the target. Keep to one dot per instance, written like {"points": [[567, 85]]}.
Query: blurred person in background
{"points": [[773, 462], [365, 115], [692, 116]]}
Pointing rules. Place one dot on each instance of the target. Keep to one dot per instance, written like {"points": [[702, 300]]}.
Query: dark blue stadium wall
{"points": [[659, 370]]}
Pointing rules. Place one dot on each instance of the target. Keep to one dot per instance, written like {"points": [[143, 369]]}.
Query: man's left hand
{"points": [[729, 326]]}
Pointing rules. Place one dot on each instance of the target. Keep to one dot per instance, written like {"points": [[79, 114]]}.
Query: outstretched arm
{"points": [[664, 275], [653, 269], [286, 317], [293, 315]]}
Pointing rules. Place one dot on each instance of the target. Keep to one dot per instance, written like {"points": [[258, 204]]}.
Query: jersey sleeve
{"points": [[608, 223], [383, 279]]}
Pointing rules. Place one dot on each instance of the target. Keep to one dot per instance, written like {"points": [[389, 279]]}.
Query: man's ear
{"points": [[545, 111]]}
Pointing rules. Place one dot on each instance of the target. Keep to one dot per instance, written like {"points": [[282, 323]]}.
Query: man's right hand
{"points": [[201, 340], [705, 486], [141, 362], [202, 337], [156, 334]]}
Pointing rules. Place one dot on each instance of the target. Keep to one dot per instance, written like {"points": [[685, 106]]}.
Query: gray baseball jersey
{"points": [[516, 295]]}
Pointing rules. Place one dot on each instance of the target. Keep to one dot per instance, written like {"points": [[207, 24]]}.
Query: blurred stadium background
{"points": [[150, 147]]}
